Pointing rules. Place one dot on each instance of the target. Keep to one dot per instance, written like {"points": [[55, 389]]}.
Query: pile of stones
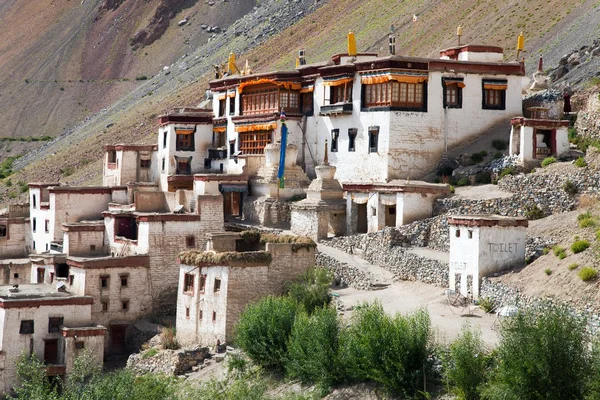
{"points": [[344, 275], [169, 362]]}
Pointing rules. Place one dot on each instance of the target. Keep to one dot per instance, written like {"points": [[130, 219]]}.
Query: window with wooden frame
{"points": [[395, 94], [190, 242], [183, 165], [260, 100], [352, 133], [340, 93], [222, 105], [452, 92], [112, 157], [54, 324], [232, 105], [104, 281], [79, 345], [254, 142], [307, 104], [124, 280], [202, 284], [185, 139], [145, 164], [289, 101], [335, 134], [188, 283], [494, 94], [373, 139], [47, 226], [217, 286], [104, 305], [26, 327]]}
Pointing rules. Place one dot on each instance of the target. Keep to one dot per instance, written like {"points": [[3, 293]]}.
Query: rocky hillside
{"points": [[73, 72]]}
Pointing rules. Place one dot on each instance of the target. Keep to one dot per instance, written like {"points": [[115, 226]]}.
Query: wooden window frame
{"points": [[189, 281], [352, 133], [260, 100], [449, 87], [27, 327], [335, 136], [54, 324], [104, 278], [232, 105], [145, 164], [222, 107], [124, 278], [190, 242], [340, 93], [373, 139], [253, 143], [307, 104], [395, 95], [493, 99], [185, 142]]}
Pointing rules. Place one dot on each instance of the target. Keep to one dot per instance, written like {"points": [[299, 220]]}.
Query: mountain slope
{"points": [[269, 37]]}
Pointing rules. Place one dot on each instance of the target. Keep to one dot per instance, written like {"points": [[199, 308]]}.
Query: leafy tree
{"points": [[312, 289], [313, 347], [465, 367], [34, 384], [542, 355], [263, 330]]}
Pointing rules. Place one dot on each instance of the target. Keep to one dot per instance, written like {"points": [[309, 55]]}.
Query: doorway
{"points": [[51, 351], [233, 203], [41, 272], [117, 338], [390, 216], [545, 143], [361, 218]]}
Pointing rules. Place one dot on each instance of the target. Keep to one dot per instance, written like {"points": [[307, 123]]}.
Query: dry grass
{"points": [[298, 242], [204, 258]]}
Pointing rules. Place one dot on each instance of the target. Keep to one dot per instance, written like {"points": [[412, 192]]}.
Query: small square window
{"points": [[144, 164], [92, 247], [34, 227], [54, 324], [79, 345], [200, 314], [217, 285], [71, 279], [352, 132], [373, 139], [190, 242], [51, 277], [187, 312], [188, 283], [104, 305], [124, 280], [125, 305], [214, 316], [104, 282], [26, 327], [3, 231], [47, 226], [335, 134], [16, 275], [470, 234], [457, 233]]}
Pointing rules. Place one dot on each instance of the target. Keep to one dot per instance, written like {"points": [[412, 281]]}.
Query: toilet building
{"points": [[481, 245]]}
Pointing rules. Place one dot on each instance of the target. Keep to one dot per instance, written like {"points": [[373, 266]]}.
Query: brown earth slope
{"points": [[550, 28]]}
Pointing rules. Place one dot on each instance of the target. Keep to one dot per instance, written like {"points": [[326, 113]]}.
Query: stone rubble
{"points": [[169, 362]]}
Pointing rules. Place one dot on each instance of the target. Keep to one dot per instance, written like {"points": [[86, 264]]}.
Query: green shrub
{"points": [[570, 187], [311, 290], [573, 266], [487, 304], [141, 78], [587, 223], [598, 234], [263, 330], [585, 215], [580, 245], [476, 158], [548, 271], [559, 250], [452, 189], [533, 212], [313, 348], [484, 177], [464, 181], [168, 338], [465, 367], [547, 161], [587, 273], [533, 353], [580, 162], [150, 353], [562, 255], [546, 250], [506, 171], [499, 144], [572, 134], [498, 155], [8, 183], [483, 153], [391, 351]]}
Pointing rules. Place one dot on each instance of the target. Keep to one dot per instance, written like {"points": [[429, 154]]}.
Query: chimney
{"points": [[392, 44], [302, 57]]}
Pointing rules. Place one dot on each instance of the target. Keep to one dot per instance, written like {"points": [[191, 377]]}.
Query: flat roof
{"points": [[487, 220], [31, 291], [398, 185]]}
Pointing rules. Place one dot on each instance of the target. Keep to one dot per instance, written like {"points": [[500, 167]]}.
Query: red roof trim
{"points": [[47, 301], [106, 262]]}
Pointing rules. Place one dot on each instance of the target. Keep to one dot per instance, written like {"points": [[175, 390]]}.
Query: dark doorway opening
{"points": [[361, 218], [62, 270], [51, 351], [117, 338], [233, 204]]}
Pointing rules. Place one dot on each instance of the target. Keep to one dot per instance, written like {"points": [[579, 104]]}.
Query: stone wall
{"points": [[169, 362], [344, 274], [267, 211]]}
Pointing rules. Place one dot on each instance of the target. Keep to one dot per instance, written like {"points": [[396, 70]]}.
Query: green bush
{"points": [[557, 250], [573, 266], [585, 215], [572, 134], [533, 212], [498, 155], [487, 304], [570, 187], [484, 177], [476, 158], [464, 181], [580, 245], [580, 162], [562, 255], [465, 367], [141, 78], [541, 356], [391, 351], [168, 338], [263, 330], [506, 171], [548, 271], [150, 353], [499, 144], [547, 161], [311, 290], [483, 153], [587, 223], [588, 273], [313, 348]]}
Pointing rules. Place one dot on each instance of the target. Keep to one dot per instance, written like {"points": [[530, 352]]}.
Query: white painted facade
{"points": [[481, 246], [533, 140]]}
